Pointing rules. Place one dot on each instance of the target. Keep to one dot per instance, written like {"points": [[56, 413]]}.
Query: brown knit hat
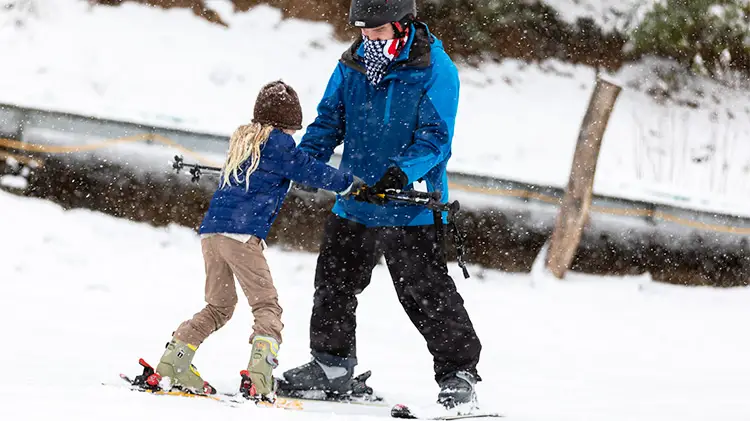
{"points": [[278, 105]]}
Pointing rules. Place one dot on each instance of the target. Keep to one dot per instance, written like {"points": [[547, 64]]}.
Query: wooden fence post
{"points": [[574, 209]]}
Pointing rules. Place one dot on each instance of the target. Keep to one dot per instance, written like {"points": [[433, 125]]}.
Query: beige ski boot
{"points": [[258, 380], [177, 365]]}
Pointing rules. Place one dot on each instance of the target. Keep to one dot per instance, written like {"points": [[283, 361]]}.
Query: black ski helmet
{"points": [[374, 13]]}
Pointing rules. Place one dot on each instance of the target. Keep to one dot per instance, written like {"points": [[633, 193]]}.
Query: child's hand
{"points": [[357, 186]]}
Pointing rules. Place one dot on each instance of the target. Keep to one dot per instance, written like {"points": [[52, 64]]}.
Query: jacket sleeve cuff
{"points": [[345, 192], [403, 174], [349, 178]]}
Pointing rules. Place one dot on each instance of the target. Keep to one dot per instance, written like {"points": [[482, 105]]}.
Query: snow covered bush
{"points": [[477, 29], [529, 30], [707, 36]]}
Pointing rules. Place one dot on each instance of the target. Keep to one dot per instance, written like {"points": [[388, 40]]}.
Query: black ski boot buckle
{"points": [[359, 388]]}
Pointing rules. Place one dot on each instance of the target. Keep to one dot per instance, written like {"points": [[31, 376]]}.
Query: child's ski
{"points": [[147, 382], [161, 392]]}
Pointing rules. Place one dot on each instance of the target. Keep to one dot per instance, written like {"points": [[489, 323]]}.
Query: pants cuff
{"points": [[334, 360]]}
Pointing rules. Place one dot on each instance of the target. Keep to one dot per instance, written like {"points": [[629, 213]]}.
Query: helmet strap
{"points": [[401, 28]]}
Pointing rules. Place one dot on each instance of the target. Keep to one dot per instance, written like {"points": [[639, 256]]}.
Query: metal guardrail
{"points": [[33, 127]]}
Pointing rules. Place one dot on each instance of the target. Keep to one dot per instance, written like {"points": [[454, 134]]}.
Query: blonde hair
{"points": [[244, 144]]}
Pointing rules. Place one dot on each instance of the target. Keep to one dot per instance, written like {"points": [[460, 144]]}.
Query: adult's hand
{"points": [[393, 178]]}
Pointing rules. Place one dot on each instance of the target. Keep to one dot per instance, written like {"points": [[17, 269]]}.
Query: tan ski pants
{"points": [[225, 257]]}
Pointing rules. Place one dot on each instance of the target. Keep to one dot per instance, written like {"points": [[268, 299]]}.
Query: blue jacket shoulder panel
{"points": [[328, 129], [436, 118]]}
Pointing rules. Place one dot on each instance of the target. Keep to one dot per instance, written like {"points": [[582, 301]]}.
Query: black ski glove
{"points": [[393, 178]]}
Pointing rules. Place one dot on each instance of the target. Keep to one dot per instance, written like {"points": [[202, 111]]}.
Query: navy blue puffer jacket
{"points": [[235, 210]]}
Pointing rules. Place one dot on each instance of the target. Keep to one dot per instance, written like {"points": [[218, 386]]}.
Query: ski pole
{"points": [[431, 200], [196, 170]]}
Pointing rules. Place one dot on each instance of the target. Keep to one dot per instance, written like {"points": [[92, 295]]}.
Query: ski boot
{"points": [[318, 376], [257, 381], [457, 389], [319, 381], [176, 364]]}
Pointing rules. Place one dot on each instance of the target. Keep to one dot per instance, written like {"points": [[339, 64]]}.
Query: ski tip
{"points": [[402, 411]]}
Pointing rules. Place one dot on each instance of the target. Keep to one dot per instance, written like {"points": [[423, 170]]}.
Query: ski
{"points": [[178, 393], [405, 412], [229, 399], [146, 383]]}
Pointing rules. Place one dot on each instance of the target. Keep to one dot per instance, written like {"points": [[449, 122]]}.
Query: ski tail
{"points": [[403, 411]]}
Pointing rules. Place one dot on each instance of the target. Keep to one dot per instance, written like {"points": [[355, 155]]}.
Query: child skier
{"points": [[255, 179]]}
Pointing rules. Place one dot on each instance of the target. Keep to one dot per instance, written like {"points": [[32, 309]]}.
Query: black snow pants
{"points": [[348, 254]]}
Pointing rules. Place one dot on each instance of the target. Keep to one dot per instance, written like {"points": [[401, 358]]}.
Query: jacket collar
{"points": [[415, 54]]}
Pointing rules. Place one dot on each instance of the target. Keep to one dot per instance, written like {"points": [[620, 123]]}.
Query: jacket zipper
{"points": [[388, 97]]}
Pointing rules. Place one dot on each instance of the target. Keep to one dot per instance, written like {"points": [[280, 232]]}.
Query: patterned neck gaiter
{"points": [[379, 54], [376, 59]]}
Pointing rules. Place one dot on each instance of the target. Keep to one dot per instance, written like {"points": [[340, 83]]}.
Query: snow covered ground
{"points": [[85, 295], [515, 121]]}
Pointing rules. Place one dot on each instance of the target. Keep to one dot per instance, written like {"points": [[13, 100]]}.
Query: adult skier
{"points": [[392, 101]]}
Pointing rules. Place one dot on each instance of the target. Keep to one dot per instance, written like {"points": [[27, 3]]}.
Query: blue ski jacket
{"points": [[406, 120], [235, 210]]}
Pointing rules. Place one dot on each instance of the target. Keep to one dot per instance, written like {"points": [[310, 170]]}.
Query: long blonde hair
{"points": [[244, 144]]}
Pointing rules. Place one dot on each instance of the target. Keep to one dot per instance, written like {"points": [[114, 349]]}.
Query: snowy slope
{"points": [[85, 295], [515, 121]]}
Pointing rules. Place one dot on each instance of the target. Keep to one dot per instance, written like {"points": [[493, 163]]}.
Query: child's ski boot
{"points": [[176, 364], [258, 382]]}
